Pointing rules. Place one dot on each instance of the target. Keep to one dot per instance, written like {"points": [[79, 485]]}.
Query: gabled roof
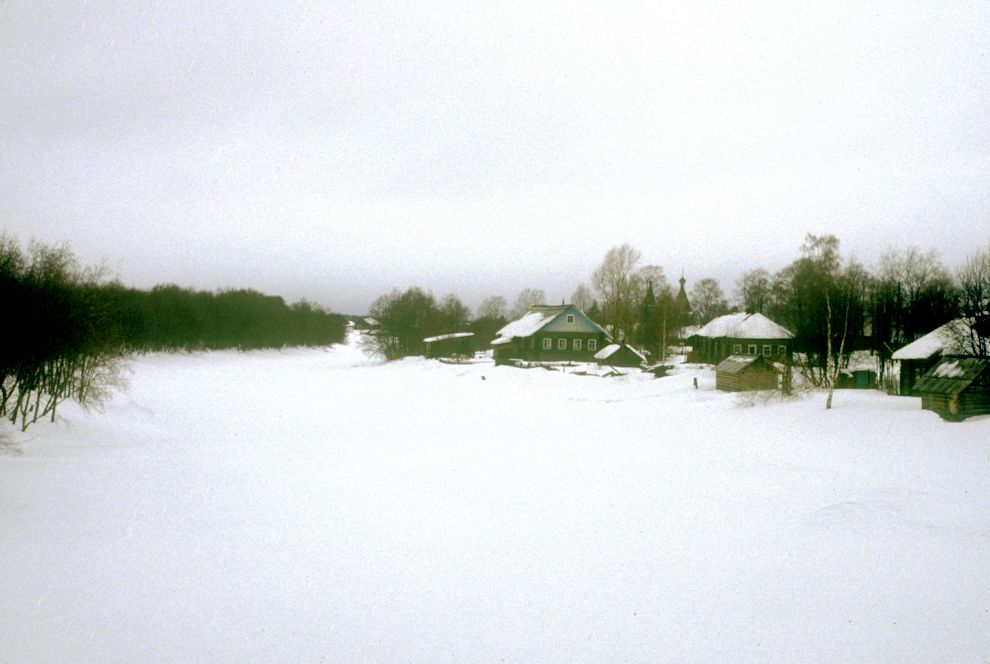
{"points": [[952, 375], [538, 317], [744, 326], [736, 363], [612, 349], [949, 339]]}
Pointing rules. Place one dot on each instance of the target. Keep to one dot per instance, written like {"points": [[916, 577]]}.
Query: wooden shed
{"points": [[457, 344], [957, 388], [620, 355], [739, 373]]}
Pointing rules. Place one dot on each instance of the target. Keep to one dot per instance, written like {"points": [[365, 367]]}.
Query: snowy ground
{"points": [[312, 506]]}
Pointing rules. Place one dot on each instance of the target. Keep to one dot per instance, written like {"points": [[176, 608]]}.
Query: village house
{"points": [[550, 333], [740, 373], [740, 334], [918, 357], [956, 388]]}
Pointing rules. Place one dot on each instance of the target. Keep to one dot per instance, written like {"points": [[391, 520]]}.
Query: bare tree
{"points": [[527, 298], [582, 298], [974, 301], [616, 283], [708, 300], [494, 307], [753, 291]]}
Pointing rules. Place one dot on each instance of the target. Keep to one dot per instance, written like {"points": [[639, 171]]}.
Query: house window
{"points": [[736, 349], [570, 318], [767, 350], [561, 344], [751, 350], [547, 343], [592, 344], [576, 344], [781, 350]]}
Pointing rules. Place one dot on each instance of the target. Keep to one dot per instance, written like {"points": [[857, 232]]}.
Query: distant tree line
{"points": [[833, 305], [168, 318], [68, 331]]}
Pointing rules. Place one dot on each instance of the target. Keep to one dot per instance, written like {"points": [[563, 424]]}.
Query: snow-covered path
{"points": [[310, 505]]}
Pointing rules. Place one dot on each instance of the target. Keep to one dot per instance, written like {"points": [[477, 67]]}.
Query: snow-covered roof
{"points": [[952, 375], [525, 326], [444, 337], [744, 326], [948, 339], [736, 363], [611, 349]]}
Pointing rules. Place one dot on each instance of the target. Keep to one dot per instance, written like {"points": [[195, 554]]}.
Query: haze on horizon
{"points": [[335, 151]]}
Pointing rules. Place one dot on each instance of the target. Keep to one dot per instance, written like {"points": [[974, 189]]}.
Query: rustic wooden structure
{"points": [[740, 373], [620, 355], [545, 333], [957, 388], [740, 334], [457, 344], [918, 357], [857, 379]]}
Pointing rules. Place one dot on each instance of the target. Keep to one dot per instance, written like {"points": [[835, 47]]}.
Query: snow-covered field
{"points": [[314, 506]]}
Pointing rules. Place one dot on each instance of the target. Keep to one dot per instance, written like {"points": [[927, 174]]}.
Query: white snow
{"points": [[744, 326], [444, 337], [312, 505], [949, 370]]}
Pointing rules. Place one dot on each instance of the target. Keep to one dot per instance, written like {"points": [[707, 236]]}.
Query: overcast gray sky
{"points": [[335, 150]]}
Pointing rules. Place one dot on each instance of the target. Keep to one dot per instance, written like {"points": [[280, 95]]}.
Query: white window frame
{"points": [[737, 349], [562, 343], [592, 344], [547, 343], [570, 318], [751, 349], [767, 350], [782, 350], [575, 344]]}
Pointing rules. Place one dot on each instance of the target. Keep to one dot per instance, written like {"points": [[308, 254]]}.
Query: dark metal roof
{"points": [[952, 375]]}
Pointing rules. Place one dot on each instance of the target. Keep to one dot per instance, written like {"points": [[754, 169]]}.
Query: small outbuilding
{"points": [[957, 388], [457, 344], [740, 373], [620, 355]]}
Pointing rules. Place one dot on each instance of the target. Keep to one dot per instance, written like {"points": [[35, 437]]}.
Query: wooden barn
{"points": [[457, 344], [620, 355], [741, 373], [739, 334], [918, 357], [545, 333], [957, 388]]}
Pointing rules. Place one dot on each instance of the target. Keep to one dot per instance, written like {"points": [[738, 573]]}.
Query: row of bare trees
{"points": [[57, 346]]}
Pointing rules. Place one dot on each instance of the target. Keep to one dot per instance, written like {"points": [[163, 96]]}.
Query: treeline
{"points": [[68, 330], [169, 318]]}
